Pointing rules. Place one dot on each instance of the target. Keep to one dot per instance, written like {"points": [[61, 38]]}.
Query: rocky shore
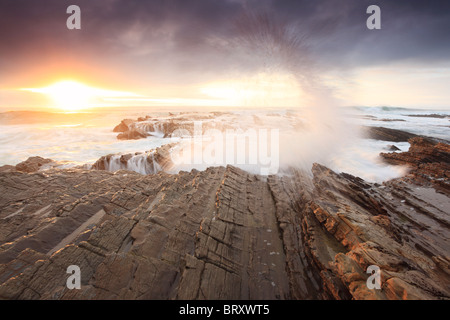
{"points": [[143, 127], [223, 233]]}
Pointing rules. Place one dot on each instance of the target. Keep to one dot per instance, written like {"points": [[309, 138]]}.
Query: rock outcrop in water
{"points": [[150, 162], [387, 134], [163, 127], [429, 160], [222, 233], [123, 126], [33, 164], [395, 135], [191, 123]]}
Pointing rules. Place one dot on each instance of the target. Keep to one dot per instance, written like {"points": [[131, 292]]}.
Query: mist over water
{"points": [[67, 139], [300, 143]]}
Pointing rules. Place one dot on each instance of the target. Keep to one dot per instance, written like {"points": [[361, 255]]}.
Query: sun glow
{"points": [[262, 89], [72, 96]]}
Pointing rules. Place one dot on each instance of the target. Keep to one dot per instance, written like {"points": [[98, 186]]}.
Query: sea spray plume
{"points": [[274, 46], [279, 47]]}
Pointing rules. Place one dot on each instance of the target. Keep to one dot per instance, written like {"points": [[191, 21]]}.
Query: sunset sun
{"points": [[72, 96]]}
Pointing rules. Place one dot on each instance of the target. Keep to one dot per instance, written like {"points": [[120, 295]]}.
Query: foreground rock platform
{"points": [[221, 233]]}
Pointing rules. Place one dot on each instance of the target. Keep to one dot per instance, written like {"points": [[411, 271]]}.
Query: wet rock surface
{"points": [[387, 134], [172, 125], [192, 235], [223, 233], [428, 160], [150, 162], [33, 164], [400, 226]]}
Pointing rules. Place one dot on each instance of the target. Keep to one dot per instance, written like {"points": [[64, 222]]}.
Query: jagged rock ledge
{"points": [[429, 160], [223, 233], [150, 162], [165, 127], [32, 164], [394, 135], [387, 134]]}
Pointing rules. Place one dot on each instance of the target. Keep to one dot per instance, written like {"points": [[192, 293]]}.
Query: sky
{"points": [[282, 53]]}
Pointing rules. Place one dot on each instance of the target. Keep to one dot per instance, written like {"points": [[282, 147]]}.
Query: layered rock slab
{"points": [[197, 235], [221, 233], [398, 226]]}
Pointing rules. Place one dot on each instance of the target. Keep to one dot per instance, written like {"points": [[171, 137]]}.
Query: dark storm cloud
{"points": [[411, 30], [170, 39]]}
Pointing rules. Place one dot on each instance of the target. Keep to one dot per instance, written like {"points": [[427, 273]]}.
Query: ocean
{"points": [[82, 138]]}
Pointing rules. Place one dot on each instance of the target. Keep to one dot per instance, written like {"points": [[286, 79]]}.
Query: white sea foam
{"points": [[300, 144]]}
